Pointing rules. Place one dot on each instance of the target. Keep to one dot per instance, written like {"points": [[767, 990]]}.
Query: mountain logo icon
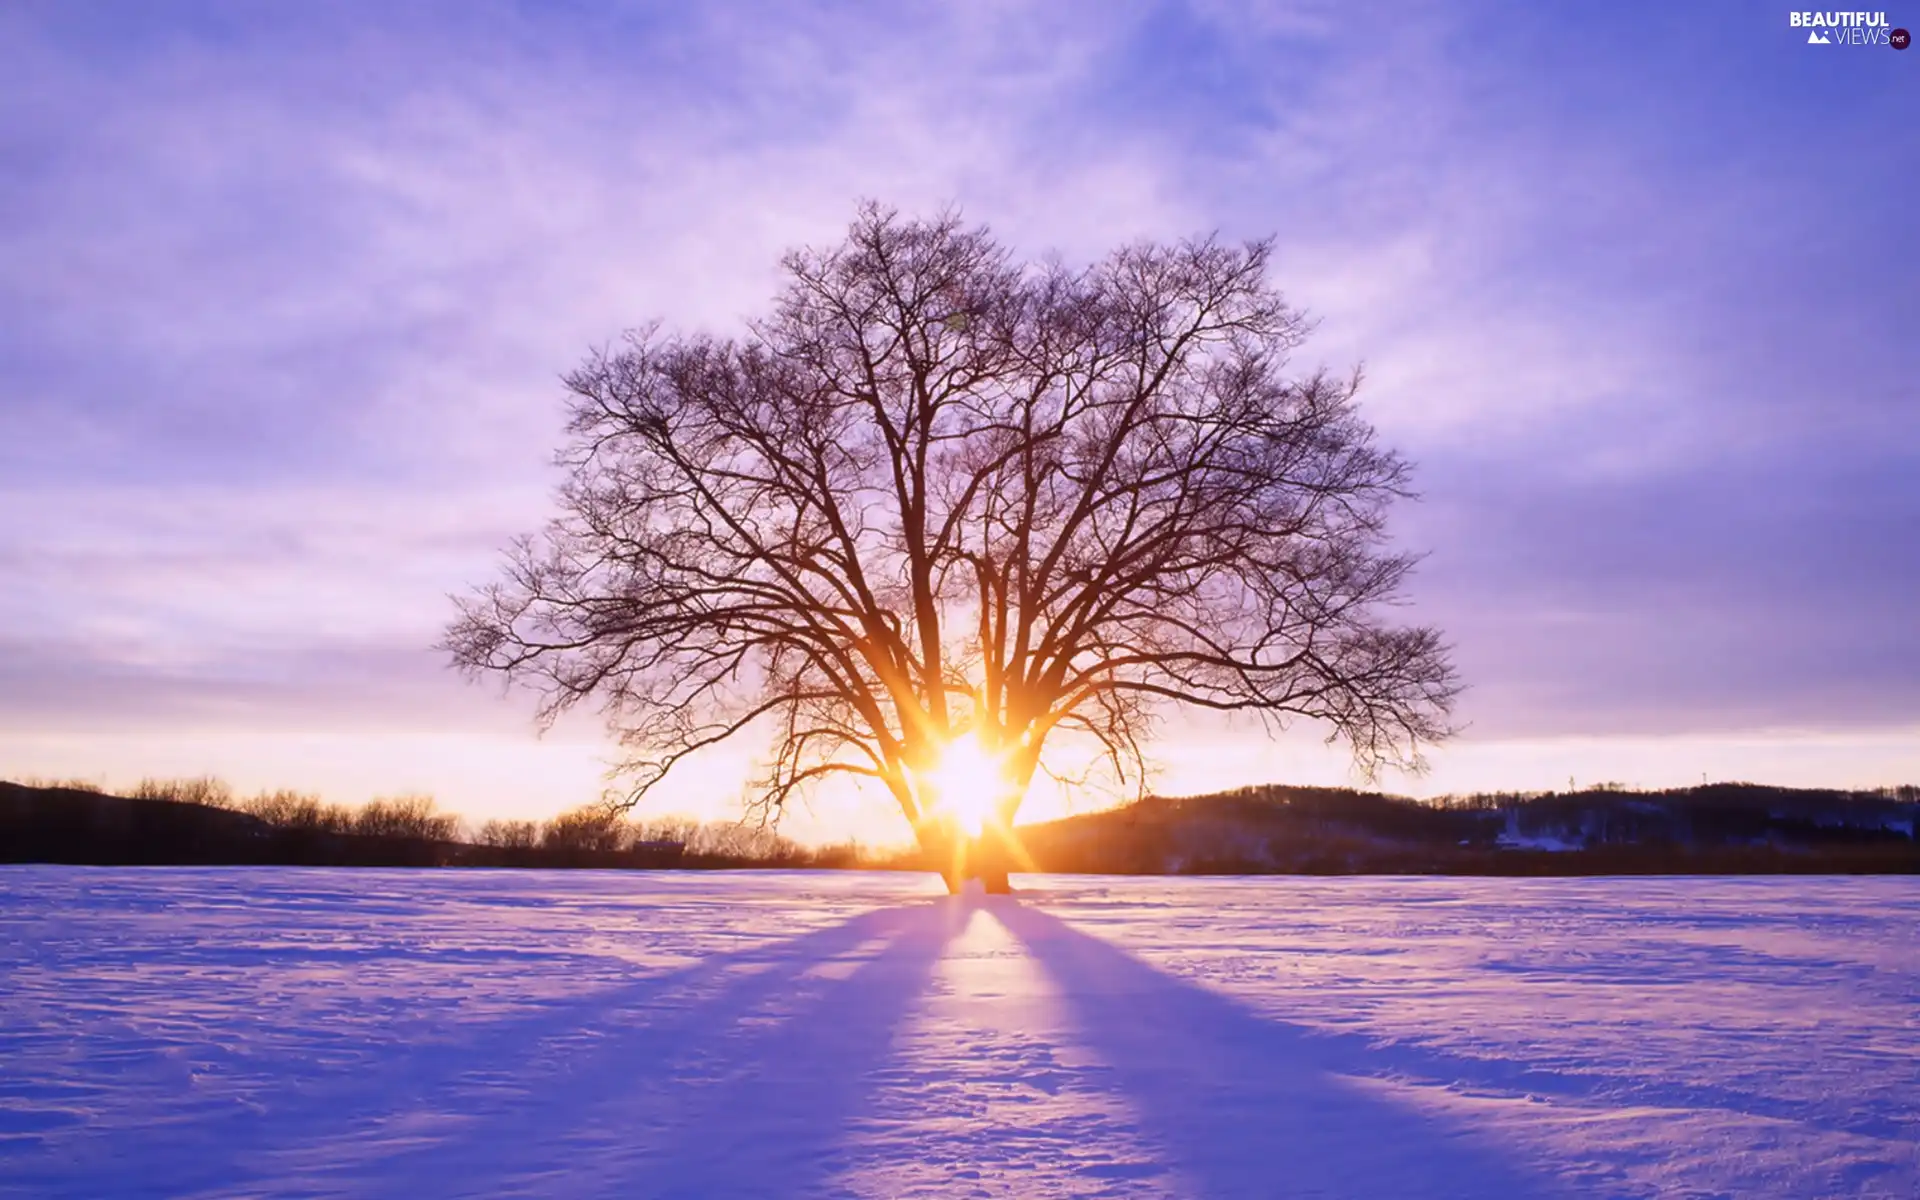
{"points": [[1819, 38]]}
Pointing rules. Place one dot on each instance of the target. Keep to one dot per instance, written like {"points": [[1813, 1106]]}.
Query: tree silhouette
{"points": [[940, 494]]}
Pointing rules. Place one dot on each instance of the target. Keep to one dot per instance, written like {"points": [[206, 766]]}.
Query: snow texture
{"points": [[244, 1032]]}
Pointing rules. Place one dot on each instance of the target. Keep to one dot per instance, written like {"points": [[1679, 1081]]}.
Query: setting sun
{"points": [[967, 785]]}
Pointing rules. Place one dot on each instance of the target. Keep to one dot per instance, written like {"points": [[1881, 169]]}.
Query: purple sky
{"points": [[285, 292]]}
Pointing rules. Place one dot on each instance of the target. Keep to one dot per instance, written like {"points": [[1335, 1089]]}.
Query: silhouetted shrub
{"points": [[593, 828], [93, 786], [200, 789], [662, 831], [300, 811], [405, 817], [739, 840], [510, 835], [842, 856]]}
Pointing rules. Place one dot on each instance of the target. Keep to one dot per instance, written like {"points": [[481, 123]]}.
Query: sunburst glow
{"points": [[967, 784]]}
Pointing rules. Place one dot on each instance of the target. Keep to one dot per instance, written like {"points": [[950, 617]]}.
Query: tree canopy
{"points": [[941, 494]]}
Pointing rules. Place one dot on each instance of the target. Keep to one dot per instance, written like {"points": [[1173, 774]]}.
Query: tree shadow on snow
{"points": [[747, 1090], [749, 1074], [775, 1119], [1242, 1105]]}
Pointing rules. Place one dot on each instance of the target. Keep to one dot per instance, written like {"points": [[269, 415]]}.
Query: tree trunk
{"points": [[958, 858]]}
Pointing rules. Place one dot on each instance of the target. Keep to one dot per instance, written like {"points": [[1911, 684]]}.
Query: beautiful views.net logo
{"points": [[1849, 29]]}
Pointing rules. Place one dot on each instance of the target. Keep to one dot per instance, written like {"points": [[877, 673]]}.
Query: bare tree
{"points": [[595, 827], [510, 834], [941, 495], [411, 816]]}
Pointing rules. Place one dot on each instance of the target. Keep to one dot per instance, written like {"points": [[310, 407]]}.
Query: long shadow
{"points": [[1353, 1053], [777, 1120], [752, 1087], [1240, 1105], [417, 1105]]}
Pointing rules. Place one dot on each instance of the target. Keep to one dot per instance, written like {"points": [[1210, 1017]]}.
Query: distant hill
{"points": [[75, 825], [1715, 828], [54, 824], [203, 821]]}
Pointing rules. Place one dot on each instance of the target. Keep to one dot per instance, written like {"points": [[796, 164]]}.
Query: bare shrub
{"points": [[304, 811], [510, 835], [663, 831], [199, 789], [840, 855], [411, 816], [743, 840], [69, 785], [594, 827]]}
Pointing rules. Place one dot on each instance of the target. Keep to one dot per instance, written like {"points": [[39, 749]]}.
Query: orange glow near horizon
{"points": [[483, 774]]}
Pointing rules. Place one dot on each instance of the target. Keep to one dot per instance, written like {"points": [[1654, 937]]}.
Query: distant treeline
{"points": [[1722, 828], [204, 821]]}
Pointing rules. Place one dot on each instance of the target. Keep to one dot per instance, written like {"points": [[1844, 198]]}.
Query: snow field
{"points": [[232, 1032]]}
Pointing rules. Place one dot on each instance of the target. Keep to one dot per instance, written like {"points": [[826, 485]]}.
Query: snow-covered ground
{"points": [[234, 1032]]}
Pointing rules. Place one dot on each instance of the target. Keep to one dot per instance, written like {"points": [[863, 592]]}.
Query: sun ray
{"points": [[967, 784], [968, 788]]}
